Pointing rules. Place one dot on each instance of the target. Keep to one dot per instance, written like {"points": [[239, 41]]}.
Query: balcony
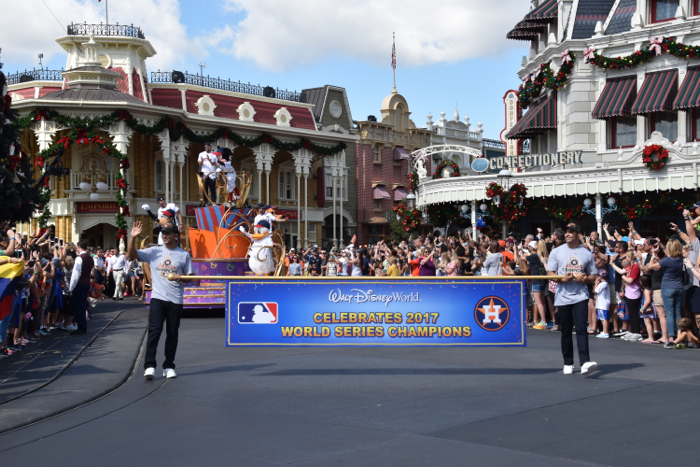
{"points": [[113, 30], [76, 178], [179, 77], [34, 75]]}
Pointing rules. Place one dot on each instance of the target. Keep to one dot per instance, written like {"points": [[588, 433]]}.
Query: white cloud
{"points": [[28, 28], [278, 35]]}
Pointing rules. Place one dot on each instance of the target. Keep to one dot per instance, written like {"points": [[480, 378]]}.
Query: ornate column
{"points": [[165, 145], [475, 221], [599, 215], [306, 208], [343, 174], [259, 167], [335, 232], [179, 153], [298, 169]]}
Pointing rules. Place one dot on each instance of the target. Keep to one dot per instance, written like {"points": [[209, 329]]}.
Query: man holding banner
{"points": [[577, 265]]}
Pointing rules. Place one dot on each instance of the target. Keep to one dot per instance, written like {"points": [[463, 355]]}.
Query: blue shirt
{"points": [[672, 270]]}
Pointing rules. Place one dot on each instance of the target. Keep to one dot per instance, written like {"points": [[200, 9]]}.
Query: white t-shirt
{"points": [[602, 296], [173, 207], [209, 165]]}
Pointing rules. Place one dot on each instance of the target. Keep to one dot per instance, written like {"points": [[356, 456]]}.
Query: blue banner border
{"points": [[399, 280]]}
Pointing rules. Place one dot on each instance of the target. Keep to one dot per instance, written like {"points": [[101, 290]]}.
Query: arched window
{"points": [[399, 117]]}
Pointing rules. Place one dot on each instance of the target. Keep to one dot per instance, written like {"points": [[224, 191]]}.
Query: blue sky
{"points": [[453, 53]]}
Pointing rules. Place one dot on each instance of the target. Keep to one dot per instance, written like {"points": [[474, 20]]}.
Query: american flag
{"points": [[393, 54]]}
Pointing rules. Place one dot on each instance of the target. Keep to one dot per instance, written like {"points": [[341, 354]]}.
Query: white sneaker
{"points": [[169, 373], [588, 368], [150, 373], [72, 327], [568, 369], [635, 338]]}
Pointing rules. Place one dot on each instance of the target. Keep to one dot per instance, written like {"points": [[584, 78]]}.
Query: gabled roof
{"points": [[316, 96], [589, 12], [622, 17]]}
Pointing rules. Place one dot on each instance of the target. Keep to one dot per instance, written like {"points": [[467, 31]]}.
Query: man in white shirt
{"points": [[117, 265], [167, 212], [80, 286], [207, 165]]}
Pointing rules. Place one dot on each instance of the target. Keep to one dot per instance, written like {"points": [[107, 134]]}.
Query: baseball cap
{"points": [[207, 143], [169, 229], [625, 239], [502, 243], [510, 240], [532, 244], [697, 204], [160, 198], [574, 227], [169, 212]]}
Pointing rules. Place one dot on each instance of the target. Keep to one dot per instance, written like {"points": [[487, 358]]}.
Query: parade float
{"points": [[226, 242]]}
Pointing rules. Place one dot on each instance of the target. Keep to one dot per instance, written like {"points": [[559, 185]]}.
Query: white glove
{"points": [[242, 229], [146, 207]]}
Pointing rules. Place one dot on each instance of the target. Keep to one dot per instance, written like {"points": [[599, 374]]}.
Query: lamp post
{"points": [[504, 180], [474, 216], [599, 211], [411, 200]]}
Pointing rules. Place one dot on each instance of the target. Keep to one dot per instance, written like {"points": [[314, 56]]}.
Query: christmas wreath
{"points": [[444, 164], [661, 157], [409, 218], [512, 204]]}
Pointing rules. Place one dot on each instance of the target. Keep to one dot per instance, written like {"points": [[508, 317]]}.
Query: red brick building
{"points": [[383, 166]]}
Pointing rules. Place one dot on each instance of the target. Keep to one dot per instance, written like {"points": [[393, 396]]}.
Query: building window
{"points": [[286, 182], [376, 154], [696, 7], [665, 123], [376, 233], [622, 132], [159, 176], [663, 10], [312, 233], [253, 193], [694, 115], [343, 181], [377, 204]]}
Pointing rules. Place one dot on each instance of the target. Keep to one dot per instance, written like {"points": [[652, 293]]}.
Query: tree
{"points": [[398, 233], [19, 194]]}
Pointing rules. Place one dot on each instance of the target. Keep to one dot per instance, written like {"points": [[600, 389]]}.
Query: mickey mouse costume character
{"points": [[260, 258]]}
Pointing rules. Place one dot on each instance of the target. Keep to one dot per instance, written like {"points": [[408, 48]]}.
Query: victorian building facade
{"points": [[617, 77], [294, 180]]}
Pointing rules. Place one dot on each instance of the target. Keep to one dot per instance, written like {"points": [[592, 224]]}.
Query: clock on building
{"points": [[336, 109]]}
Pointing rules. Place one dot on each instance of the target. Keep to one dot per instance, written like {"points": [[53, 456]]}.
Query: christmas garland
{"points": [[661, 156], [562, 213], [641, 210], [509, 208], [410, 218], [545, 77], [88, 136], [413, 180], [680, 50], [443, 164], [654, 49], [175, 131]]}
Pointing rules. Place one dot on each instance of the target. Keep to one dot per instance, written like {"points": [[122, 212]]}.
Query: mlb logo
{"points": [[257, 313]]}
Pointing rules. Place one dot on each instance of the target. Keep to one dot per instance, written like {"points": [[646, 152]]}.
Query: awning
{"points": [[540, 117], [380, 192], [521, 35], [400, 194], [689, 94], [401, 154], [617, 98], [657, 93], [548, 10]]}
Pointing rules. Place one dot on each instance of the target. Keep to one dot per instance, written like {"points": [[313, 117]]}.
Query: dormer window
{"points": [[663, 10]]}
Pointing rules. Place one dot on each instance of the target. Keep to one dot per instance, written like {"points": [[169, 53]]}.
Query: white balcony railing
{"points": [[109, 178]]}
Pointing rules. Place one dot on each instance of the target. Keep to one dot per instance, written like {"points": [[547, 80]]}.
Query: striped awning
{"points": [[657, 93], [540, 118], [548, 10], [617, 98], [689, 94], [521, 35], [401, 154], [400, 194], [380, 192]]}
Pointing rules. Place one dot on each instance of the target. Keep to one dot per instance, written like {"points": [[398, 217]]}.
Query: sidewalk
{"points": [[30, 389]]}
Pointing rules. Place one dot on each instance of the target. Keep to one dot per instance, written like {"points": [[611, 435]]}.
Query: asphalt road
{"points": [[375, 407]]}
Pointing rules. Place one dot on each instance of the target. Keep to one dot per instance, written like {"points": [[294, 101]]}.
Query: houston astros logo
{"points": [[492, 313]]}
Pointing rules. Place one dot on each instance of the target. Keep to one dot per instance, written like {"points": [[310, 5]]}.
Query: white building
{"points": [[605, 114]]}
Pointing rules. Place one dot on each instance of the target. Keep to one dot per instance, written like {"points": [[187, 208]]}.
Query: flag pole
{"points": [[394, 60], [106, 12]]}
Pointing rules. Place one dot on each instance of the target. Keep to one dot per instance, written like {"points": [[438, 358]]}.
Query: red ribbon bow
{"points": [[126, 212], [65, 142], [39, 162], [124, 163], [124, 115], [41, 114], [121, 184]]}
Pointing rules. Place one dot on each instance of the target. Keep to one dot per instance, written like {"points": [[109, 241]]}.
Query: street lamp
{"points": [[588, 207], [411, 200]]}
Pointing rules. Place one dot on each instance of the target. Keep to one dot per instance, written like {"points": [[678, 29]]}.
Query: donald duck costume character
{"points": [[261, 259]]}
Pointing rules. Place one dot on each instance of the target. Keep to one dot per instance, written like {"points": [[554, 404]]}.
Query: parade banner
{"points": [[266, 311]]}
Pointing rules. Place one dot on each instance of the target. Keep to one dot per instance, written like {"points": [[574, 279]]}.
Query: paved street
{"points": [[364, 406]]}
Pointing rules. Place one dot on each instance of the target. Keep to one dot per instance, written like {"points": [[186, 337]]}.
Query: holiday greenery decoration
{"points": [[680, 50], [661, 156], [445, 164], [618, 63], [634, 212], [413, 180], [175, 131], [513, 204], [443, 215], [19, 194], [409, 218], [564, 213], [545, 77]]}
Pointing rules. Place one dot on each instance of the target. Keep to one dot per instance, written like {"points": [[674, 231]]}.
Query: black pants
{"points": [[570, 315], [210, 187], [161, 311], [633, 306], [80, 304]]}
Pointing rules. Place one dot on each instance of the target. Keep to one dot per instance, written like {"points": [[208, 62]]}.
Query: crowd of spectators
{"points": [[42, 301]]}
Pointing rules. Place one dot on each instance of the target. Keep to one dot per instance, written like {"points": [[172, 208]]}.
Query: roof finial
{"points": [[92, 58]]}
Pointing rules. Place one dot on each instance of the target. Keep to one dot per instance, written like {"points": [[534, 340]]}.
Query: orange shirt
{"points": [[415, 266]]}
